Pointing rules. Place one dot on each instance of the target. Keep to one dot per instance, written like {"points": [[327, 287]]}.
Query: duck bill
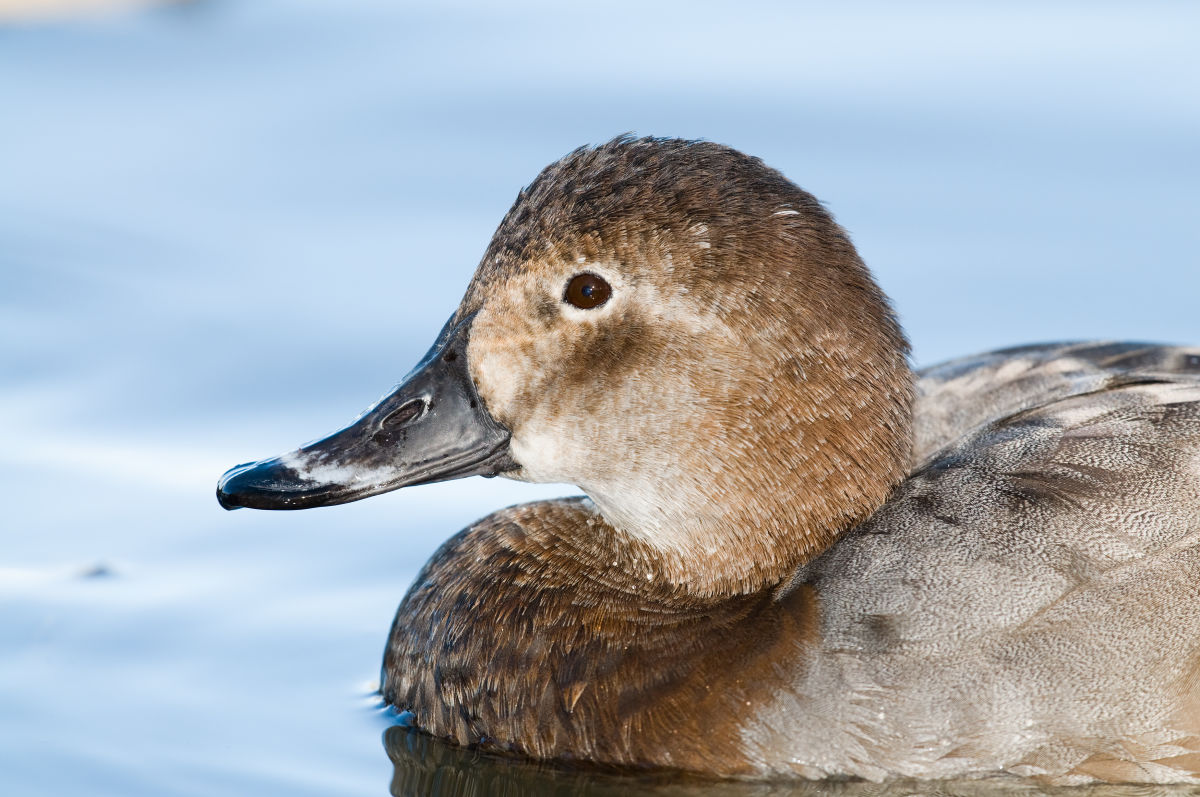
{"points": [[431, 428]]}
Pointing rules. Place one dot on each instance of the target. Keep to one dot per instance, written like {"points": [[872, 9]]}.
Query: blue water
{"points": [[226, 228]]}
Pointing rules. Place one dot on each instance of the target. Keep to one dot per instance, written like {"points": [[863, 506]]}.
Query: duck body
{"points": [[1026, 602], [795, 557]]}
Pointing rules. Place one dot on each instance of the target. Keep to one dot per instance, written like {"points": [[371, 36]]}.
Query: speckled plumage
{"points": [[792, 566]]}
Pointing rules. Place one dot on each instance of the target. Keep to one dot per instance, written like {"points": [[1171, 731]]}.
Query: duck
{"points": [[794, 555]]}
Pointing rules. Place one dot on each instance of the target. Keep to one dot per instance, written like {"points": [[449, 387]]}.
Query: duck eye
{"points": [[586, 291]]}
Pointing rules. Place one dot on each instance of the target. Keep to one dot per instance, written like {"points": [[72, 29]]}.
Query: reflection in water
{"points": [[426, 767]]}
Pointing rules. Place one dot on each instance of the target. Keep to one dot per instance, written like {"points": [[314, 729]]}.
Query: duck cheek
{"points": [[563, 450], [497, 381], [543, 455], [502, 371]]}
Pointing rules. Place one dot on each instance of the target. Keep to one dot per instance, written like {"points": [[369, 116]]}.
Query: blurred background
{"points": [[226, 227]]}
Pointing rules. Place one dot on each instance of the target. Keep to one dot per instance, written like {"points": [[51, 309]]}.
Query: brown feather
{"points": [[788, 565]]}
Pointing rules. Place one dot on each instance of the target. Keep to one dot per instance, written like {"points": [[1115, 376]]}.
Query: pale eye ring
{"points": [[587, 291]]}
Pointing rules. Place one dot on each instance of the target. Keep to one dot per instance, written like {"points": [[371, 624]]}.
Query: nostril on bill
{"points": [[405, 414]]}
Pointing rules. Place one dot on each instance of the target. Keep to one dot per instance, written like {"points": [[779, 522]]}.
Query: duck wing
{"points": [[962, 395], [1029, 600]]}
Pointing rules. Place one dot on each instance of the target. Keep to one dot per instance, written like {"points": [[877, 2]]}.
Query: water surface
{"points": [[227, 227]]}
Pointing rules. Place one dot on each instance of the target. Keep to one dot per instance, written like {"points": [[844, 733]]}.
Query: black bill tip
{"points": [[262, 485], [231, 486]]}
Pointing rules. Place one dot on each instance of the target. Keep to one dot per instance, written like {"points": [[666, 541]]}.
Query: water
{"points": [[225, 228]]}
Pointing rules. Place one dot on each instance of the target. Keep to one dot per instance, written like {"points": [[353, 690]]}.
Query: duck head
{"points": [[678, 330]]}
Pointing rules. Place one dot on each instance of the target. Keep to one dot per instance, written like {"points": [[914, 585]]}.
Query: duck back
{"points": [[1029, 599]]}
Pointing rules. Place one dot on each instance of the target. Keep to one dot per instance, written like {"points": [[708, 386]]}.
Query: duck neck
{"points": [[712, 549], [691, 551], [745, 505]]}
